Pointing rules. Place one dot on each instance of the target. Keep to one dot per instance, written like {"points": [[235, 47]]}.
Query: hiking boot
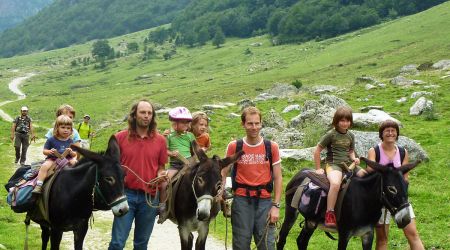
{"points": [[330, 219], [162, 213], [37, 190]]}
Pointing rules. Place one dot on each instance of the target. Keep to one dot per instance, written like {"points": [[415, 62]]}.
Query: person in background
{"points": [[86, 132], [389, 152], [20, 134], [143, 154], [66, 109], [199, 127]]}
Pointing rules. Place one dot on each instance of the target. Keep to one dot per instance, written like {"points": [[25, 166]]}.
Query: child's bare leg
{"points": [[43, 172], [163, 213], [335, 179]]}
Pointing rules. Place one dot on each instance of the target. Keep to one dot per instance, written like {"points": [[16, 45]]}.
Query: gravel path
{"points": [[164, 237]]}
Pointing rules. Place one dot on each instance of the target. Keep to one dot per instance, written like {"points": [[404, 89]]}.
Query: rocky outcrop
{"points": [[283, 90], [371, 119], [274, 120], [442, 65], [420, 105]]}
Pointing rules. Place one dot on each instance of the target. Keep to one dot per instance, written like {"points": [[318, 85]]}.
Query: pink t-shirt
{"points": [[143, 156], [384, 160]]}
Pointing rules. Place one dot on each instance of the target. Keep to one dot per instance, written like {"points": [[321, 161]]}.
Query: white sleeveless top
{"points": [[384, 160]]}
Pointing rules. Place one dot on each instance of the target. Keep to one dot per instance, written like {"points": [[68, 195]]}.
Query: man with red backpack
{"points": [[257, 185], [20, 134]]}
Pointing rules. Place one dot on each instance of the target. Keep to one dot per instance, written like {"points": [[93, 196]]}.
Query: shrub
{"points": [[297, 83]]}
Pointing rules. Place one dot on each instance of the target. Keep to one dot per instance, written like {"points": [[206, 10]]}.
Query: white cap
{"points": [[24, 108]]}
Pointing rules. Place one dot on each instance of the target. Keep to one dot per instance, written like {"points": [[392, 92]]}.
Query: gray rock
{"points": [[256, 44], [104, 124], [365, 140], [332, 101], [381, 85], [298, 154], [401, 100], [410, 69], [283, 90], [420, 93], [274, 120], [265, 97], [401, 81], [432, 86], [233, 115], [369, 86], [365, 79], [317, 90], [286, 138], [364, 109], [420, 105], [291, 107], [245, 103], [371, 119], [213, 106], [442, 65]]}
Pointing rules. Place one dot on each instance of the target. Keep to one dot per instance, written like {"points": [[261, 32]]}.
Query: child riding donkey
{"points": [[58, 144]]}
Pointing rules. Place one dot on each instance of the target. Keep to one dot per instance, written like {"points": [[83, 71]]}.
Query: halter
{"points": [[205, 196], [387, 204], [97, 191]]}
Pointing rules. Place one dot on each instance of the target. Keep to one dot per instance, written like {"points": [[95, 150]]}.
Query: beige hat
{"points": [[24, 108]]}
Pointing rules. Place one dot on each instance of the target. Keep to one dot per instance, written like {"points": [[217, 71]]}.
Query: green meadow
{"points": [[210, 75]]}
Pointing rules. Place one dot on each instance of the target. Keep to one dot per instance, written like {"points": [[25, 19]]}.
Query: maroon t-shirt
{"points": [[143, 156]]}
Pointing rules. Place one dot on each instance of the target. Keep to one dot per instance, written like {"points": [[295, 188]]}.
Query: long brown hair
{"points": [[132, 125]]}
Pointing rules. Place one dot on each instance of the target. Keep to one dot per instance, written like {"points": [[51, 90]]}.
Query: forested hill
{"points": [[67, 22], [291, 20], [13, 12]]}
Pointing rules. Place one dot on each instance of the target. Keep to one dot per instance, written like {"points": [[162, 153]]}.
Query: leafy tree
{"points": [[219, 38], [101, 49], [132, 47], [203, 36], [189, 38]]}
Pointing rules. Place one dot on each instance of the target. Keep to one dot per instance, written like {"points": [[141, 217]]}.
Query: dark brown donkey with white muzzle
{"points": [[194, 203]]}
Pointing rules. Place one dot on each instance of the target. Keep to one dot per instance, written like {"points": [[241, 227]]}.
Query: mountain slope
{"points": [[66, 22], [12, 12]]}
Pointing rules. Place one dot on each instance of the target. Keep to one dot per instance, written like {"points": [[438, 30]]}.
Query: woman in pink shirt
{"points": [[389, 152]]}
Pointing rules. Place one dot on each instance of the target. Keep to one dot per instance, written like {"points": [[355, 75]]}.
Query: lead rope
{"points": [[266, 234], [226, 232]]}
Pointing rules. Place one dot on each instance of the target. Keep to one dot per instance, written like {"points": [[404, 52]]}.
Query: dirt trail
{"points": [[164, 237]]}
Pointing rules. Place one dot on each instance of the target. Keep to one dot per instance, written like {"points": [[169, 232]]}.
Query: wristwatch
{"points": [[276, 204]]}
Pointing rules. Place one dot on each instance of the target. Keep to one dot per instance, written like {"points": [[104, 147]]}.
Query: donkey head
{"points": [[394, 189], [109, 178], [206, 180]]}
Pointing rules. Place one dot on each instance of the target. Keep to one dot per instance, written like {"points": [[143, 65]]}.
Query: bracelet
{"points": [[276, 204]]}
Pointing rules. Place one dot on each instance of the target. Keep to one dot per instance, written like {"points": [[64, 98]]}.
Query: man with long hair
{"points": [[143, 154]]}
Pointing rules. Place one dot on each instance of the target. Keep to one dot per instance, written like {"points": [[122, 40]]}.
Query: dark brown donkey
{"points": [[195, 203]]}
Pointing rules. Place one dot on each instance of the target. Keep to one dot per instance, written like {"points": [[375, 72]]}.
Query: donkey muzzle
{"points": [[402, 217], [204, 204], [120, 206]]}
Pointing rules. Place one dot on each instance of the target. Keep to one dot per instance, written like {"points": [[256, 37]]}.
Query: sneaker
{"points": [[37, 190], [330, 219]]}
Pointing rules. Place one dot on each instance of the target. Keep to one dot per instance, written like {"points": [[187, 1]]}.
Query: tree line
{"points": [[194, 23]]}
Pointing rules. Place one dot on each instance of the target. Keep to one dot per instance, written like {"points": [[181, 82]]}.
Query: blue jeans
{"points": [[249, 219], [144, 219]]}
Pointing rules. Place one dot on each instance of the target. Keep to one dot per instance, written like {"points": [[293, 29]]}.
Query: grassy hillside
{"points": [[205, 75]]}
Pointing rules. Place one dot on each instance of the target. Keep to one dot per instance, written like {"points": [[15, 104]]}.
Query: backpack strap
{"points": [[401, 150], [268, 186], [79, 126], [377, 153], [402, 153]]}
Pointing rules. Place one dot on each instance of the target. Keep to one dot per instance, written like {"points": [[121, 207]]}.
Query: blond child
{"points": [[178, 147], [199, 127], [58, 143], [340, 145]]}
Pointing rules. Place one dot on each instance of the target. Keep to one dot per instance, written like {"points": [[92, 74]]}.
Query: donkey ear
{"points": [[197, 151], [113, 149], [87, 153], [375, 165], [406, 168], [230, 159]]}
